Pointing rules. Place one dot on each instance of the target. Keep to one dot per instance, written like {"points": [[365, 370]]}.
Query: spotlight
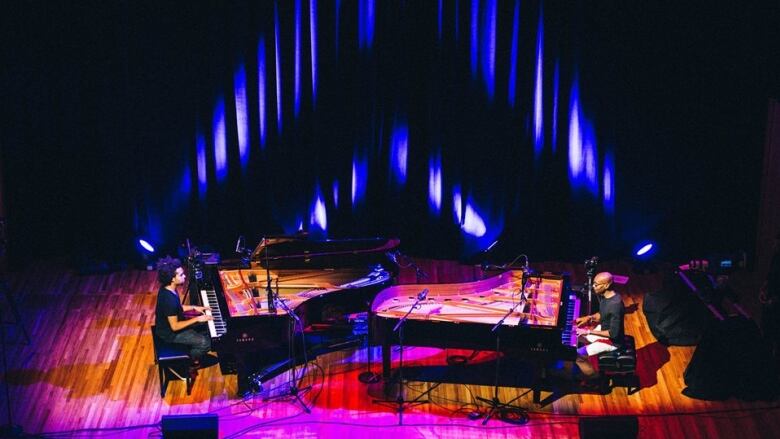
{"points": [[645, 249], [146, 251], [644, 257], [146, 246]]}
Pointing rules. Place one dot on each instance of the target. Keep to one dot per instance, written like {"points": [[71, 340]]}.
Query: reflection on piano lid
{"points": [[486, 301], [302, 252], [293, 286]]}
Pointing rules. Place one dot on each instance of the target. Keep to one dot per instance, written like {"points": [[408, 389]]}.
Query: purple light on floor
{"points": [[319, 215], [556, 90], [538, 110], [434, 184], [297, 61], [489, 48], [261, 92], [242, 114], [399, 151], [220, 140], [278, 71], [359, 179], [200, 154], [608, 183], [474, 37], [512, 83], [336, 193], [313, 46], [146, 246]]}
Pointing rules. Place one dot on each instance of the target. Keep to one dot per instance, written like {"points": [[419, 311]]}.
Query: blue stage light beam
{"points": [[399, 152], [242, 114], [319, 214], [489, 48], [336, 193], [200, 154], [434, 184], [512, 83], [220, 140], [261, 91], [556, 92], [608, 183], [359, 179], [297, 61], [278, 62], [439, 17], [313, 48], [474, 40], [538, 86]]}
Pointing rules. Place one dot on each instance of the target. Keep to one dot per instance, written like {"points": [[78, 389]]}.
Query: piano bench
{"points": [[620, 366], [173, 363]]}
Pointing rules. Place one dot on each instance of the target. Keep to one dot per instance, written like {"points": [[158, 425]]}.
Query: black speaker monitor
{"points": [[609, 427], [204, 426]]}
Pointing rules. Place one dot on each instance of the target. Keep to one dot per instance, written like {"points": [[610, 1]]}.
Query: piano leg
{"points": [[386, 353]]}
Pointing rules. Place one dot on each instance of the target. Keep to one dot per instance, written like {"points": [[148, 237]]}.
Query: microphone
{"points": [[393, 256], [423, 294]]}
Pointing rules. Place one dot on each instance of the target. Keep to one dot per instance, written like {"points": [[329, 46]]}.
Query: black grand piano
{"points": [[461, 316], [320, 281]]}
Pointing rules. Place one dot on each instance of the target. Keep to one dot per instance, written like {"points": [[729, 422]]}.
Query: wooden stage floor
{"points": [[89, 372]]}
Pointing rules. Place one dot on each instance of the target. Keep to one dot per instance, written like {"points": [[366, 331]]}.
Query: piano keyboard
{"points": [[217, 327], [569, 335]]}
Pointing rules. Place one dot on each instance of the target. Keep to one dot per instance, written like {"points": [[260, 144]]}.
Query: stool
{"points": [[173, 362], [620, 366]]}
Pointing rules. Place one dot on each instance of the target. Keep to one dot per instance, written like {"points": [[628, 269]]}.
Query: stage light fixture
{"points": [[645, 249], [146, 246]]}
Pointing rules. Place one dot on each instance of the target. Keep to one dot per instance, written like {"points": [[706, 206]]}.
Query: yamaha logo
{"points": [[245, 338]]}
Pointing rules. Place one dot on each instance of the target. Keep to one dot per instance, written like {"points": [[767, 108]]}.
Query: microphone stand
{"points": [[269, 292], [400, 401], [292, 390], [495, 404], [369, 377]]}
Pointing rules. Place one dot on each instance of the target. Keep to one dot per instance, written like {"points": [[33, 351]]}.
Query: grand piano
{"points": [[462, 315], [320, 281]]}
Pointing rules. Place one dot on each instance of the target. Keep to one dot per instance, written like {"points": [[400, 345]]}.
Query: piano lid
{"points": [[302, 252]]}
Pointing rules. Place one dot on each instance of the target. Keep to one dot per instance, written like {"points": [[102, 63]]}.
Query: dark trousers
{"points": [[199, 343]]}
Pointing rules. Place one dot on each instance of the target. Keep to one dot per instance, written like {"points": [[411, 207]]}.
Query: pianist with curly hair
{"points": [[171, 324]]}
